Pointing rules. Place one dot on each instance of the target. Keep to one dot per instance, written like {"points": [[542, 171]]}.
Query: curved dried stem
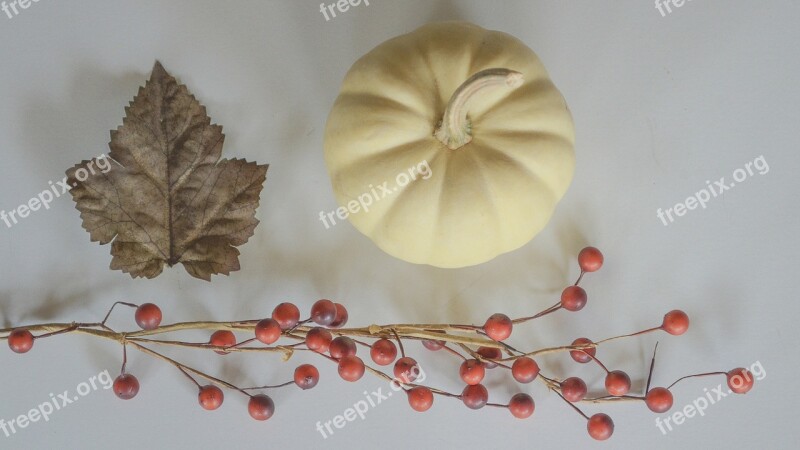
{"points": [[458, 340]]}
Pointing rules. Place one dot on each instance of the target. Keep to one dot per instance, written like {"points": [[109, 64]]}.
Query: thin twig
{"points": [[695, 376], [652, 366]]}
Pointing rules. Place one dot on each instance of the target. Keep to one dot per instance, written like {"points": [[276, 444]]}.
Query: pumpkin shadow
{"points": [[446, 10], [5, 320], [350, 262]]}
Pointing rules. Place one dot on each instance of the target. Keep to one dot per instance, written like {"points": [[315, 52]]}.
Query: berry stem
{"points": [[614, 399], [450, 350], [497, 405], [275, 386], [240, 344], [594, 358], [399, 343], [362, 343], [189, 376], [652, 366], [108, 314], [545, 312], [696, 376], [124, 358], [184, 368], [572, 405], [638, 333]]}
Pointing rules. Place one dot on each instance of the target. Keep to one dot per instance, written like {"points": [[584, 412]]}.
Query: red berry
{"points": [[525, 370], [287, 315], [498, 327], [659, 400], [210, 397], [341, 316], [318, 339], [420, 398], [222, 338], [126, 386], [590, 259], [472, 371], [433, 345], [383, 352], [148, 316], [268, 331], [585, 355], [342, 346], [490, 353], [676, 322], [351, 368], [261, 407], [618, 383], [306, 376], [406, 370], [573, 298], [475, 396], [574, 389], [740, 380], [521, 406], [20, 341], [323, 312], [600, 427]]}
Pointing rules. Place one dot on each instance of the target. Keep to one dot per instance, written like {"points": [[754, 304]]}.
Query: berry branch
{"points": [[478, 348]]}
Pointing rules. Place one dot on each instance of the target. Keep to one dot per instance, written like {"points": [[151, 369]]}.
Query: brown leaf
{"points": [[166, 196]]}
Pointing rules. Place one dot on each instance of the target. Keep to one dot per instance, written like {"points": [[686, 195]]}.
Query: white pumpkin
{"points": [[476, 107]]}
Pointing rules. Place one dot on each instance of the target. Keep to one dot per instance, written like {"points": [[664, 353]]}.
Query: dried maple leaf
{"points": [[166, 196]]}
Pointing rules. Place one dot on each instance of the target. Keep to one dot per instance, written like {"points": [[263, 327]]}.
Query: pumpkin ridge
{"points": [[449, 192], [411, 101], [389, 152], [394, 67], [523, 166], [440, 207], [491, 195], [439, 100], [395, 198], [385, 102], [555, 138]]}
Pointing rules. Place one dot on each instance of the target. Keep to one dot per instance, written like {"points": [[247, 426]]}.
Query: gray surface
{"points": [[661, 105]]}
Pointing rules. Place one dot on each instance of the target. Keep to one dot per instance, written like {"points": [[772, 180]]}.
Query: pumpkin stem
{"points": [[455, 130]]}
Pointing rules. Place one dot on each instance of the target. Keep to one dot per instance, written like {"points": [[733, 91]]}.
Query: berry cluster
{"points": [[479, 348]]}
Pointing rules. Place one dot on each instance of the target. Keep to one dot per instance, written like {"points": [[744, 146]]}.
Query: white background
{"points": [[661, 105]]}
